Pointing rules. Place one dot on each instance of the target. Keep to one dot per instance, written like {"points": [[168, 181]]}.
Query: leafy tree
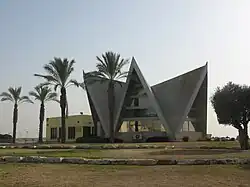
{"points": [[58, 73], [109, 69], [232, 106], [14, 95], [43, 94]]}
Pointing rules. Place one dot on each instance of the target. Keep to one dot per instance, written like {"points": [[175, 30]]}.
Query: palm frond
{"points": [[6, 97], [70, 68], [58, 72], [25, 99], [122, 63], [56, 86], [15, 92], [110, 66], [44, 84], [122, 75], [73, 82], [35, 95], [43, 93], [52, 96], [104, 70], [82, 85], [58, 67], [50, 79], [51, 71], [56, 100]]}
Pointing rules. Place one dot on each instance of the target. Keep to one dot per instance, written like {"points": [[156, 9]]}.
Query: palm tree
{"points": [[43, 94], [14, 95], [58, 73], [109, 68]]}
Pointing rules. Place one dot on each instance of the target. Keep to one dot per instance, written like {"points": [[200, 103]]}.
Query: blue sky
{"points": [[166, 37]]}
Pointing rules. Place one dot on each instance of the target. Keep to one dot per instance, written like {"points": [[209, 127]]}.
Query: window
{"points": [[86, 131], [53, 133], [71, 132], [60, 132], [92, 130]]}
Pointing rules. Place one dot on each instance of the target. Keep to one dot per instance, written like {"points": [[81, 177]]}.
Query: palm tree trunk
{"points": [[41, 118], [111, 101], [63, 113], [15, 118]]}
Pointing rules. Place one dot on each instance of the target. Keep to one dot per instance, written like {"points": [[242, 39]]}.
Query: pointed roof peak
{"points": [[133, 61]]}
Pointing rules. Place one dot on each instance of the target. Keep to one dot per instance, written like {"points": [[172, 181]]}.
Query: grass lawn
{"points": [[54, 175], [176, 153], [176, 144]]}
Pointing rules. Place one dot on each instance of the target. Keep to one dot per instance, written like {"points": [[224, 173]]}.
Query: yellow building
{"points": [[76, 126]]}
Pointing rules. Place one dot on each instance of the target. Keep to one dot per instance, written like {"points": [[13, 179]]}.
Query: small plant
{"points": [[217, 139], [96, 139], [185, 138]]}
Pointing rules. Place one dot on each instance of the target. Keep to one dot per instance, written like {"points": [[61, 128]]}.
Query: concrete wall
{"points": [[193, 136]]}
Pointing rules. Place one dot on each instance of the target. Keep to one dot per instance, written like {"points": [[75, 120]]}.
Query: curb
{"points": [[107, 146], [114, 146], [138, 162]]}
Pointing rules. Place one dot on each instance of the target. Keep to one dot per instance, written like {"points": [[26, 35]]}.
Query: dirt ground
{"points": [[48, 175]]}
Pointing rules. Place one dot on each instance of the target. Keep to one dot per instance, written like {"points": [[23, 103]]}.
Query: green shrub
{"points": [[5, 138], [96, 139]]}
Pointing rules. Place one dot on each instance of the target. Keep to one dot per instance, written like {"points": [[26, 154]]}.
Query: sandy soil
{"points": [[48, 175]]}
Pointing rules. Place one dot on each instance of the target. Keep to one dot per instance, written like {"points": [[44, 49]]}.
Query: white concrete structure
{"points": [[170, 104]]}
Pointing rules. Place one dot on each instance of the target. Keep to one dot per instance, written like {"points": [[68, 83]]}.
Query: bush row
{"points": [[96, 139], [5, 138]]}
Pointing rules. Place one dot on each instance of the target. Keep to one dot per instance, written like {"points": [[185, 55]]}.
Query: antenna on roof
{"points": [[81, 113]]}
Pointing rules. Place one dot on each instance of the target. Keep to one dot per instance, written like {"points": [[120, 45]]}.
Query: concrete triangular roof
{"points": [[171, 100], [176, 96], [98, 92], [151, 97]]}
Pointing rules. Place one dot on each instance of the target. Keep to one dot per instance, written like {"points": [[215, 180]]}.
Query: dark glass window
{"points": [[86, 131], [60, 132], [71, 132], [53, 133]]}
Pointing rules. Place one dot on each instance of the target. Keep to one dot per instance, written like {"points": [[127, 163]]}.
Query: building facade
{"points": [[164, 109], [76, 126]]}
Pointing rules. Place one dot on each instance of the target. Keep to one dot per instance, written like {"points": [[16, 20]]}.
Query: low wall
{"points": [[128, 136], [193, 136], [139, 162]]}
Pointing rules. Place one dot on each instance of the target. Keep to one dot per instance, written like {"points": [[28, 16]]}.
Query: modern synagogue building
{"points": [[173, 108]]}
